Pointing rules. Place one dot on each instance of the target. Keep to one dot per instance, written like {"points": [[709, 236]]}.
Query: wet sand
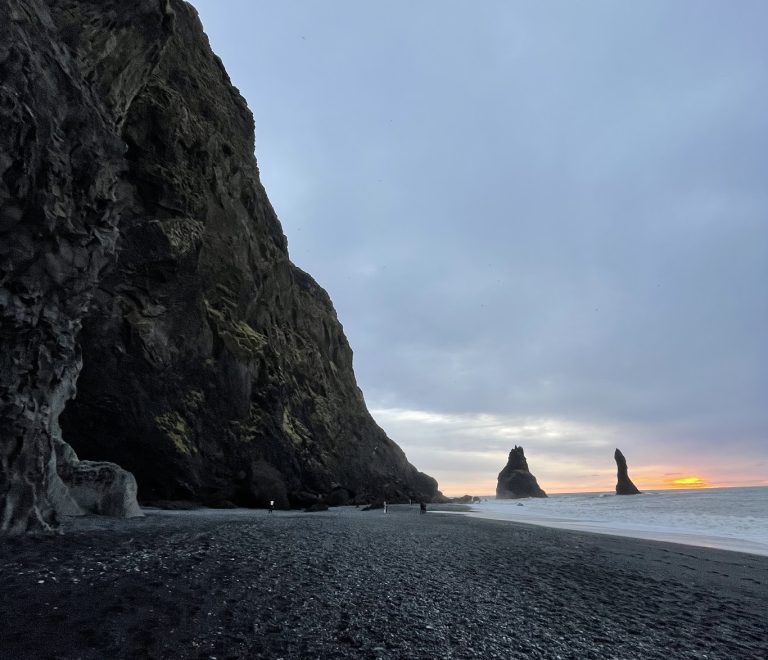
{"points": [[353, 584], [631, 531]]}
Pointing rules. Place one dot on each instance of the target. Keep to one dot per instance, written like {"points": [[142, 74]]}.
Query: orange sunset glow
{"points": [[687, 482], [644, 479]]}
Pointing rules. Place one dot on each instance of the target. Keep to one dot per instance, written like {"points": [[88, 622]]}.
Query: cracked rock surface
{"points": [[61, 199]]}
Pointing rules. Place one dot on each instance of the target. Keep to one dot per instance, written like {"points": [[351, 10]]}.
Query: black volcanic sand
{"points": [[353, 584]]}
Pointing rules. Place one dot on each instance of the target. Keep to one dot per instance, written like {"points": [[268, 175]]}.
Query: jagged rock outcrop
{"points": [[515, 480], [624, 485], [212, 367], [96, 486]]}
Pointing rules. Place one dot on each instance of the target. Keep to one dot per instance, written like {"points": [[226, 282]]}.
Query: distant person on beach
{"points": [[385, 507], [422, 507], [271, 506]]}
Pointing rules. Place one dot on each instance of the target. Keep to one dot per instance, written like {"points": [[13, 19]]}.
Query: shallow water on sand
{"points": [[726, 518]]}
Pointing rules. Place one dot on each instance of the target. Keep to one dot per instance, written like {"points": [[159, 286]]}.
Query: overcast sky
{"points": [[540, 223]]}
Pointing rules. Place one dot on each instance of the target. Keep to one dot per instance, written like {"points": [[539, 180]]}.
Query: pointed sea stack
{"points": [[515, 480], [624, 485]]}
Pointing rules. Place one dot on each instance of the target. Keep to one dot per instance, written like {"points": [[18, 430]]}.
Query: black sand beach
{"points": [[353, 584]]}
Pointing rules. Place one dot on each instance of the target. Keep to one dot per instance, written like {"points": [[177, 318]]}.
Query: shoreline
{"points": [[727, 518], [713, 542], [353, 584]]}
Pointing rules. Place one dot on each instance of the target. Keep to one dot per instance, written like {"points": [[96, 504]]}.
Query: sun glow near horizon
{"points": [[688, 482], [450, 490], [466, 451], [487, 487]]}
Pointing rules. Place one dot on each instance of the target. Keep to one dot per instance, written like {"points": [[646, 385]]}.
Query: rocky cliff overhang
{"points": [[142, 265]]}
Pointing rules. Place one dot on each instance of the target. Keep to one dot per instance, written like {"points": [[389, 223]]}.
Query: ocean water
{"points": [[726, 518]]}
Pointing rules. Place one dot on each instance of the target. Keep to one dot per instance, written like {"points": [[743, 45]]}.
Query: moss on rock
{"points": [[239, 337], [175, 428]]}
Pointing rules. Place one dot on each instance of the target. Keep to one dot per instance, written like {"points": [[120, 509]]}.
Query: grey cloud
{"points": [[527, 209]]}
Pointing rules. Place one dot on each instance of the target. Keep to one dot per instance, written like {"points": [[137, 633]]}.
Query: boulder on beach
{"points": [[624, 485], [515, 480], [96, 487]]}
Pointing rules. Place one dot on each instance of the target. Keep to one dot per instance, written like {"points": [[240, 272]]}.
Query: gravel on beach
{"points": [[353, 584]]}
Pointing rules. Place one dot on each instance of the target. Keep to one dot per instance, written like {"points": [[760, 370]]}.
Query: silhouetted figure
{"points": [[385, 507], [271, 506], [422, 507]]}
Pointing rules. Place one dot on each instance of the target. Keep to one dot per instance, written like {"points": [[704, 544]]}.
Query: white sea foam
{"points": [[726, 518]]}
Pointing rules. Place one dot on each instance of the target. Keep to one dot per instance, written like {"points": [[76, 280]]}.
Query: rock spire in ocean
{"points": [[624, 485], [515, 480], [143, 267]]}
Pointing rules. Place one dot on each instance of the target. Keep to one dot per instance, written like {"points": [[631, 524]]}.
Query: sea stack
{"points": [[624, 485], [515, 480]]}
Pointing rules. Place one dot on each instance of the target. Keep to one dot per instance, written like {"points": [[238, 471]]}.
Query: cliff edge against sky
{"points": [[208, 365]]}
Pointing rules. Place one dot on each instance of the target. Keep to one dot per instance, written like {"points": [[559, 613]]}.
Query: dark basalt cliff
{"points": [[130, 206], [624, 485], [515, 480]]}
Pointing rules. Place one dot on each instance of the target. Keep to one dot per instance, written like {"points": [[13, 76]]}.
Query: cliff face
{"points": [[60, 203], [212, 368], [515, 480]]}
